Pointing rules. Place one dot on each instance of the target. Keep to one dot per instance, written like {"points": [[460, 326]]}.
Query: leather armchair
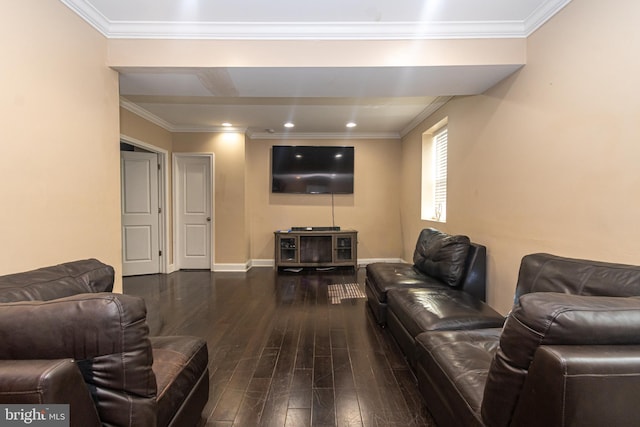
{"points": [[596, 324], [93, 351]]}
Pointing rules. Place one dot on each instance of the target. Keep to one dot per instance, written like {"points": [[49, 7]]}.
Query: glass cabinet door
{"points": [[344, 248], [288, 249]]}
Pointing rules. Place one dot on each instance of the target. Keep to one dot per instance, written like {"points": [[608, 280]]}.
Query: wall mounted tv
{"points": [[312, 169]]}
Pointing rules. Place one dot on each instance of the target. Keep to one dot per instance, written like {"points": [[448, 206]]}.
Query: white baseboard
{"points": [[259, 263], [240, 268], [262, 263], [365, 261], [361, 262]]}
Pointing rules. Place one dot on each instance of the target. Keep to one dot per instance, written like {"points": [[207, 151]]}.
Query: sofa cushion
{"points": [[452, 370], [179, 362], [58, 281], [421, 310], [546, 318], [383, 276], [441, 255]]}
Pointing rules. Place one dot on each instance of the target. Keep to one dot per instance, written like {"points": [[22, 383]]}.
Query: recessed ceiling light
{"points": [[351, 125], [289, 125], [227, 124]]}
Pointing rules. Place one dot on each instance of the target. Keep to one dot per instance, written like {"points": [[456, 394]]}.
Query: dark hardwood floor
{"points": [[282, 352]]}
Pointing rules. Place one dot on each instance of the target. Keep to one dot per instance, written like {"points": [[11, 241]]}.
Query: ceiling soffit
{"points": [[179, 104]]}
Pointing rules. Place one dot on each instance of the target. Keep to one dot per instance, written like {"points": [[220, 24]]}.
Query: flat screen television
{"points": [[312, 169]]}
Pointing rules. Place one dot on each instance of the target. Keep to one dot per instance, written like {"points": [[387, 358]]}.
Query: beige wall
{"points": [[134, 126], [373, 209], [247, 213], [231, 238], [548, 160], [59, 162]]}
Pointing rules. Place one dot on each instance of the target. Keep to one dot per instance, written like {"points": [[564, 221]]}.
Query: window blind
{"points": [[440, 194]]}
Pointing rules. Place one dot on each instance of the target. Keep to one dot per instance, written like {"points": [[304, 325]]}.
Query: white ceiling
{"points": [[384, 101]]}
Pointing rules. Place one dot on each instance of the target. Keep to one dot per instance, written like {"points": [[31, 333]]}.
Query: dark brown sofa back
{"points": [[550, 273], [441, 255], [452, 259], [44, 284]]}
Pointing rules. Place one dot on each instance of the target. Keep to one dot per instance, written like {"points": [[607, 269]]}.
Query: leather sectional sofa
{"points": [[443, 289], [567, 355], [67, 339]]}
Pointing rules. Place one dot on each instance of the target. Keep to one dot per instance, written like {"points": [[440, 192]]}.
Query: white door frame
{"points": [[176, 195], [163, 202]]}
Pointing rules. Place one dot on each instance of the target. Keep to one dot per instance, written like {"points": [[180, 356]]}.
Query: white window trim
{"points": [[434, 187]]}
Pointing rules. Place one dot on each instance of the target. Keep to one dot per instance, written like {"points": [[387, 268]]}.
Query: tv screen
{"points": [[312, 169]]}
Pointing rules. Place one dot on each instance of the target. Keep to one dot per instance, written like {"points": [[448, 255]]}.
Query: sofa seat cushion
{"points": [[179, 362], [383, 276], [421, 310], [452, 371]]}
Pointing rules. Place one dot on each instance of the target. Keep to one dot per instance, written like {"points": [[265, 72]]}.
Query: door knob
{"points": [[208, 219]]}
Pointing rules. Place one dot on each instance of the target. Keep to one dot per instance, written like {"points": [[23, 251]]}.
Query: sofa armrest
{"points": [[106, 334], [475, 276], [55, 381], [581, 386], [548, 318]]}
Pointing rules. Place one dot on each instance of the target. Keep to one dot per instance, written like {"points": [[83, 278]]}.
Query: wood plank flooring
{"points": [[282, 352]]}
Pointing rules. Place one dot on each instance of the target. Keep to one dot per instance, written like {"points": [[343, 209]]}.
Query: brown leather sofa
{"points": [[568, 355], [67, 339], [443, 289], [441, 262]]}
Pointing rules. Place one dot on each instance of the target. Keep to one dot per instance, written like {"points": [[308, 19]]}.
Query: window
{"points": [[434, 173]]}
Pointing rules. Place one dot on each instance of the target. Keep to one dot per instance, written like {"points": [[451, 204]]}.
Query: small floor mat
{"points": [[341, 291]]}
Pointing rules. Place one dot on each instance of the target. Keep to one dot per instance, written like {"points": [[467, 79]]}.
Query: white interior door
{"points": [[140, 213], [193, 211]]}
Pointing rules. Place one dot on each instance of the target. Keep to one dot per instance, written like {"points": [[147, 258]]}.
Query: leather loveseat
{"points": [[443, 289], [67, 339], [440, 262], [568, 354]]}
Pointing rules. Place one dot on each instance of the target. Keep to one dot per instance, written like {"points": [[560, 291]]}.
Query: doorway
{"points": [[143, 206], [193, 206]]}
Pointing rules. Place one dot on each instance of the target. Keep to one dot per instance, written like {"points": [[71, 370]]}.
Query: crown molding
{"points": [[90, 14], [315, 30], [139, 111], [323, 135], [543, 14], [207, 129], [431, 108]]}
